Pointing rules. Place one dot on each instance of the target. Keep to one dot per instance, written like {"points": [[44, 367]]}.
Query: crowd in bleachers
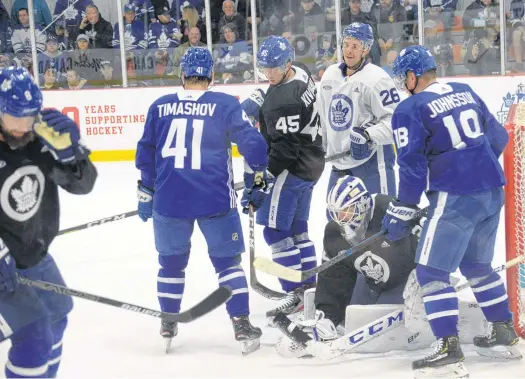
{"points": [[78, 41]]}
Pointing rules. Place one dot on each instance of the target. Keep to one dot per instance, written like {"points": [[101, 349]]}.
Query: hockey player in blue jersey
{"points": [[289, 122], [448, 144], [36, 159], [185, 160]]}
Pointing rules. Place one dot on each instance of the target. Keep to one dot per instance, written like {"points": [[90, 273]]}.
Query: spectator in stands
{"points": [[165, 33], [73, 12], [310, 20], [482, 53], [178, 5], [230, 16], [190, 19], [107, 79], [390, 18], [442, 10], [65, 41], [5, 61], [516, 32], [440, 48], [52, 57], [98, 30], [145, 12], [279, 17], [74, 81], [194, 37], [5, 30], [41, 11], [134, 35], [244, 9], [325, 55], [50, 81], [233, 59], [391, 56], [21, 35], [411, 7], [354, 14]]}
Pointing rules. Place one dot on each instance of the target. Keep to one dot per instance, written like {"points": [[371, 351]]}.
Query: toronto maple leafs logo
{"points": [[509, 99], [341, 113], [21, 193], [71, 13], [373, 267]]}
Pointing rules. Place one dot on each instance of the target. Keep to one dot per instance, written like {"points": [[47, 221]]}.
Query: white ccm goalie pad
{"points": [[414, 334]]}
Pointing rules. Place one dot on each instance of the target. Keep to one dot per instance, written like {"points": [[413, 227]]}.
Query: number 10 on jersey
{"points": [[177, 132]]}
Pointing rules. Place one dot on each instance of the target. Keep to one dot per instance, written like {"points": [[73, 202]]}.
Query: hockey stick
{"points": [[208, 304], [366, 333], [297, 276], [237, 187], [258, 287]]}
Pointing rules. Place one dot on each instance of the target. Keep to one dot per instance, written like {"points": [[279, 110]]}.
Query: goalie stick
{"points": [[258, 287], [237, 187], [366, 333], [297, 276], [208, 304]]}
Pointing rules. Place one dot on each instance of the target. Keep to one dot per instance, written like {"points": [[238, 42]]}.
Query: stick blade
{"points": [[206, 305], [270, 267]]}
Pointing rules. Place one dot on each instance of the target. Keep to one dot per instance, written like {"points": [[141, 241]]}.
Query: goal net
{"points": [[514, 163]]}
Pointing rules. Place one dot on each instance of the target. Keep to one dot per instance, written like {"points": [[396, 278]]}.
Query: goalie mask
{"points": [[350, 205]]}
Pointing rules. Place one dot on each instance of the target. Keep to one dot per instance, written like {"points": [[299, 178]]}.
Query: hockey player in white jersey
{"points": [[356, 102]]}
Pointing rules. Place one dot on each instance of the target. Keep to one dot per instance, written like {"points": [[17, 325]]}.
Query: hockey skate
{"points": [[291, 304], [445, 361], [247, 334], [168, 330], [501, 342]]}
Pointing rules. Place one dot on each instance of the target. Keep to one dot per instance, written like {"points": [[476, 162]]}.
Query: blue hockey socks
{"points": [[306, 247], [170, 281]]}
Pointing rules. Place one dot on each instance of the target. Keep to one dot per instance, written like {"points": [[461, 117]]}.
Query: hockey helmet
{"points": [[20, 95], [197, 61], [417, 59], [275, 52], [350, 205], [359, 31]]}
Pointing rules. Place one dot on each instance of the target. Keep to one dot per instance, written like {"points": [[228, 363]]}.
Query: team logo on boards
{"points": [[22, 192], [341, 113], [511, 98], [373, 267]]}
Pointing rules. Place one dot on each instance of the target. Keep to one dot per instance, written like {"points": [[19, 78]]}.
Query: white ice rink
{"points": [[119, 260]]}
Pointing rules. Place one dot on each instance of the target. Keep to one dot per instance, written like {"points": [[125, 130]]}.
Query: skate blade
{"points": [[249, 346], [500, 352], [167, 343], [453, 370]]}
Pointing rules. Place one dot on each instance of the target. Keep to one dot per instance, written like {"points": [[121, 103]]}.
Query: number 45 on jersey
{"points": [[290, 124]]}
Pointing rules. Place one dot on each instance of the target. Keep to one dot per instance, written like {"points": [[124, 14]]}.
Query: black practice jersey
{"points": [[384, 264], [29, 204], [290, 124]]}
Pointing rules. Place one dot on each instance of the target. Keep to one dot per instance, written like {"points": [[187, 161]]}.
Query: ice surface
{"points": [[119, 260]]}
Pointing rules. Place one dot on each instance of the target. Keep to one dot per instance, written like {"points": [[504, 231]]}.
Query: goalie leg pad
{"points": [[170, 281], [306, 247], [284, 252], [440, 299], [490, 293]]}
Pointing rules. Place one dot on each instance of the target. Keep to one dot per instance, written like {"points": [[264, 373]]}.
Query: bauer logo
{"points": [[134, 308], [368, 332], [518, 96]]}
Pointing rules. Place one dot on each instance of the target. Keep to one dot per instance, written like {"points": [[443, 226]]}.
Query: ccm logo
{"points": [[365, 333]]}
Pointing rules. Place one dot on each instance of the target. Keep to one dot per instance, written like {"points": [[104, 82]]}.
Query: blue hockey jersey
{"points": [[135, 36], [162, 36], [185, 152], [447, 140], [76, 10]]}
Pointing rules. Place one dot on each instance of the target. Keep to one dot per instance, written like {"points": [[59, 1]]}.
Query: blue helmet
{"points": [[359, 31], [350, 205], [275, 52], [197, 61], [20, 96], [417, 59]]}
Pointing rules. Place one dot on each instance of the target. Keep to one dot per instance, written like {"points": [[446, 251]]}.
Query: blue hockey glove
{"points": [[61, 136], [252, 104], [8, 275], [145, 197], [257, 186], [398, 219], [360, 144]]}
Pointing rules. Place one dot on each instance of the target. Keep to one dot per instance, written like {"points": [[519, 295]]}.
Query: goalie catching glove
{"points": [[61, 136]]}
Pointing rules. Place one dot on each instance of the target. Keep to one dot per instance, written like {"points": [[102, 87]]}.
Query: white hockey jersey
{"points": [[367, 98]]}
